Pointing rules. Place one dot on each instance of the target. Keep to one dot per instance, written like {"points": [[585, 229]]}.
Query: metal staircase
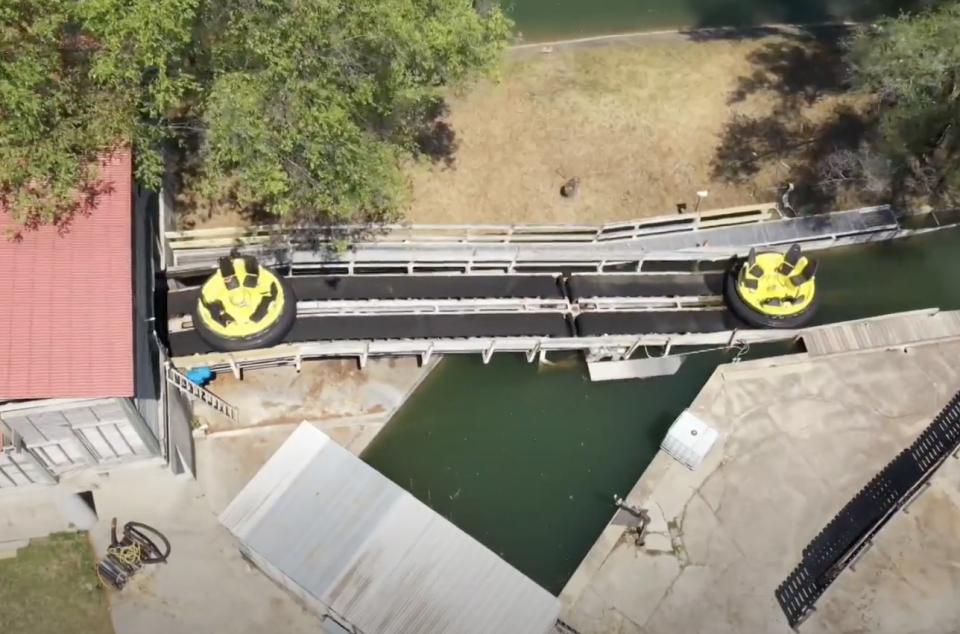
{"points": [[196, 393]]}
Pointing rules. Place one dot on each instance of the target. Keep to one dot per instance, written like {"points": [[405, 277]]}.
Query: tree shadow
{"points": [[755, 13], [800, 68], [434, 137], [423, 128], [747, 19], [821, 156], [85, 199]]}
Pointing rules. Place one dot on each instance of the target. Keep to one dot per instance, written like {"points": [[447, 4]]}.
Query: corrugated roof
{"points": [[336, 529], [66, 300]]}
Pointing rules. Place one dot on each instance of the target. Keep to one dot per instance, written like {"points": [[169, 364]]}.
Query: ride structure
{"points": [[244, 306], [773, 289], [656, 284]]}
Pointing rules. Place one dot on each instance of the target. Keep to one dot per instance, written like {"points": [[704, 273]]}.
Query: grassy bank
{"points": [[644, 126], [50, 587]]}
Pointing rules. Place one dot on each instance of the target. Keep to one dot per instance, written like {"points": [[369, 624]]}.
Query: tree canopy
{"points": [[299, 107], [912, 64]]}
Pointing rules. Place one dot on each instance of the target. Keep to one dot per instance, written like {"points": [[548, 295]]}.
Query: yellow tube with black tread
{"points": [[244, 306], [772, 289]]}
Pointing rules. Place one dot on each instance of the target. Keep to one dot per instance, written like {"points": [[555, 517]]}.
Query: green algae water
{"points": [[527, 459]]}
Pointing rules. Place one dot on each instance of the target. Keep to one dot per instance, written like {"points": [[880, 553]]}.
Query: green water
{"points": [[544, 20], [527, 460]]}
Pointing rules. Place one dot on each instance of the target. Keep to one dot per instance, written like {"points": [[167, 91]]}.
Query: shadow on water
{"points": [[543, 20], [751, 13]]}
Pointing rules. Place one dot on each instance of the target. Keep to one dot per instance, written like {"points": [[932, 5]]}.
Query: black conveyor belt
{"points": [[645, 285], [656, 322], [367, 327], [428, 287]]}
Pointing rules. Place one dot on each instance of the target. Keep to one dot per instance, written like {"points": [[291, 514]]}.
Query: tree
{"points": [[304, 108], [912, 64]]}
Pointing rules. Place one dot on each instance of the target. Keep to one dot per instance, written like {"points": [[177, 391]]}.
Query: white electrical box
{"points": [[689, 440]]}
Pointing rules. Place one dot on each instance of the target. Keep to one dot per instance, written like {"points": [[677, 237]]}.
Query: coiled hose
{"points": [[137, 547]]}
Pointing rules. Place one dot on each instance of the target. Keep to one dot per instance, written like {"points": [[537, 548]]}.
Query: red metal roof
{"points": [[66, 300]]}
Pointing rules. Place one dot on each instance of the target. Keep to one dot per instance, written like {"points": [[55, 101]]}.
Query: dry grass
{"points": [[640, 125], [50, 587], [644, 126]]}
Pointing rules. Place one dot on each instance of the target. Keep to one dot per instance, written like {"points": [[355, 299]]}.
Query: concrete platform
{"points": [[333, 392], [799, 438], [348, 404]]}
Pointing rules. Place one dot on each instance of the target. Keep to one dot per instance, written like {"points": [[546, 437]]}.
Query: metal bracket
{"points": [[856, 560], [533, 352], [913, 498], [235, 368], [489, 352], [796, 628]]}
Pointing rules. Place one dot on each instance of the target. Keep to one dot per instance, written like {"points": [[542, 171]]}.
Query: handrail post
{"points": [[533, 352]]}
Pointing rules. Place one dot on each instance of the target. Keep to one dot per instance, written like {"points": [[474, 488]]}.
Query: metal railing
{"points": [[343, 308], [475, 233], [615, 347], [600, 347], [196, 393], [370, 255]]}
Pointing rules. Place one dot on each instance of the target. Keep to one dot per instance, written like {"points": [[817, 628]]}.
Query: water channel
{"points": [[527, 459], [549, 20]]}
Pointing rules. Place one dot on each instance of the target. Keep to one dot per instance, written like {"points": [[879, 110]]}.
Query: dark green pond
{"points": [[527, 459], [545, 20]]}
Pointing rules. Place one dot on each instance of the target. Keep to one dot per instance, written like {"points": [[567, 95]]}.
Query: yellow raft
{"points": [[773, 290], [244, 306]]}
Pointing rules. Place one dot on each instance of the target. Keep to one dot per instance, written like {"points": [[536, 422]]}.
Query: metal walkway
{"points": [[596, 347], [428, 290], [465, 306], [718, 234], [889, 333]]}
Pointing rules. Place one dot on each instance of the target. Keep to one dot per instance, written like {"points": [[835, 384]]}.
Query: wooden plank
{"points": [[882, 333]]}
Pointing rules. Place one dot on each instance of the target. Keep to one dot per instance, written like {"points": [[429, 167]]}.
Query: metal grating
{"points": [[337, 533], [895, 331], [849, 533]]}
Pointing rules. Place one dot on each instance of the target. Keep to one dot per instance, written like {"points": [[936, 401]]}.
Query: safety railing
{"points": [[196, 393], [600, 347], [343, 308], [473, 233], [369, 255]]}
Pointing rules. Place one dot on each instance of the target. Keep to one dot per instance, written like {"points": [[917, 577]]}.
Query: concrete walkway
{"points": [[206, 587], [800, 437]]}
